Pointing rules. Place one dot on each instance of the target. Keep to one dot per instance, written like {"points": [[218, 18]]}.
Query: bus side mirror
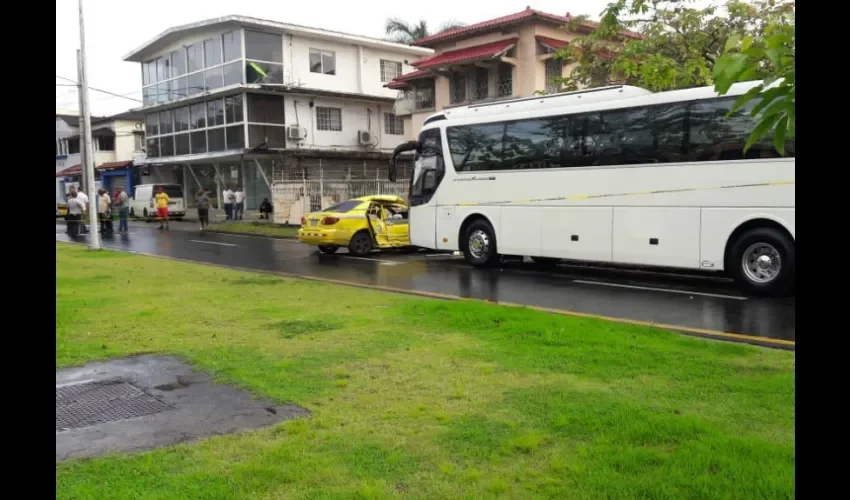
{"points": [[401, 148]]}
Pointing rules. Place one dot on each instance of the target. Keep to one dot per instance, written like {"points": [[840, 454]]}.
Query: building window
{"points": [[152, 124], [181, 119], [106, 143], [322, 61], [165, 124], [232, 44], [197, 116], [389, 70], [263, 72], [178, 62], [212, 52], [457, 88], [328, 119], [554, 69], [393, 125], [233, 109], [263, 108], [73, 146], [215, 113], [263, 47], [270, 136], [235, 137], [506, 80], [196, 57], [482, 83]]}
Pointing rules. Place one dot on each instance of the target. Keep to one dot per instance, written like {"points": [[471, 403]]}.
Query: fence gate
{"points": [[293, 199]]}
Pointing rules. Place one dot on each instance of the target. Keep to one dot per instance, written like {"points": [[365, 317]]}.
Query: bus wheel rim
{"points": [[479, 244], [761, 263]]}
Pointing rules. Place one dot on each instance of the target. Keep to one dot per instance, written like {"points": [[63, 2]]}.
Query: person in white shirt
{"points": [[239, 198], [227, 198], [84, 199], [76, 209], [103, 203]]}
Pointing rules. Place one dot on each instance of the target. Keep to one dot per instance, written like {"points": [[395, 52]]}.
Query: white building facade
{"points": [[239, 101]]}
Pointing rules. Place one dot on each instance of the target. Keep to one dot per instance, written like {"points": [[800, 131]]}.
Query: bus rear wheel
{"points": [[762, 261], [479, 248]]}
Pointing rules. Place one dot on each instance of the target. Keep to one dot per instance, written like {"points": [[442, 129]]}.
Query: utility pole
{"points": [[82, 125], [88, 167]]}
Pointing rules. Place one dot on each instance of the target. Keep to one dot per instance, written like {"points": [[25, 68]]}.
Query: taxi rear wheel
{"points": [[328, 249], [360, 244]]}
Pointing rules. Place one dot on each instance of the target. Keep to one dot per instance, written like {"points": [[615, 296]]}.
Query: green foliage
{"points": [[684, 46], [400, 31], [771, 53]]}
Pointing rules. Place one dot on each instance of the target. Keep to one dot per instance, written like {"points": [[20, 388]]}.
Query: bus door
{"points": [[428, 171]]}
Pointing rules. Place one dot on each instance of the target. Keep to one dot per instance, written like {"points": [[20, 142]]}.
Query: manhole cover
{"points": [[81, 405]]}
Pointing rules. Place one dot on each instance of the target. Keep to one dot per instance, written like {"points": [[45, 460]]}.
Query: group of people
{"points": [[78, 203], [234, 203]]}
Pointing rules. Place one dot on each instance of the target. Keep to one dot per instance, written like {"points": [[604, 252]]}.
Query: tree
{"points": [[400, 31], [771, 53], [683, 46]]}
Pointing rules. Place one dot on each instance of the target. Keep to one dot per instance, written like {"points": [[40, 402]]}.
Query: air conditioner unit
{"points": [[364, 137], [296, 133]]}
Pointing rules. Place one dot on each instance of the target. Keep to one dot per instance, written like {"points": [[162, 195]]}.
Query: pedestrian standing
{"points": [[84, 199], [203, 200], [239, 199], [103, 203], [122, 202], [76, 210], [161, 199], [227, 198]]}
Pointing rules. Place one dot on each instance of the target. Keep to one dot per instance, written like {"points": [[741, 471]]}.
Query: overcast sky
{"points": [[115, 27]]}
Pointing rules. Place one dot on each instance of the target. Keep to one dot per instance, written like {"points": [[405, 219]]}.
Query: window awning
{"points": [[467, 55], [551, 43], [77, 169], [400, 82], [70, 171]]}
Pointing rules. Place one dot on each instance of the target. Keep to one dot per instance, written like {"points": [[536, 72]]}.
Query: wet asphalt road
{"points": [[696, 304]]}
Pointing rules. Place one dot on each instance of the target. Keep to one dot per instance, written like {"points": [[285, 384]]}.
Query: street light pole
{"points": [[88, 167]]}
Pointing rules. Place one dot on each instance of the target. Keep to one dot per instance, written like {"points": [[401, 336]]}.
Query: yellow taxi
{"points": [[362, 225]]}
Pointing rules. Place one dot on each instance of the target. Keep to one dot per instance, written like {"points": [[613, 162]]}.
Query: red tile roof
{"points": [[77, 169], [526, 15], [551, 42], [72, 170], [400, 82], [467, 55]]}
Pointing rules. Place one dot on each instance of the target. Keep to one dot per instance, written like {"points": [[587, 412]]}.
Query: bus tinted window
{"points": [[714, 137], [665, 133]]}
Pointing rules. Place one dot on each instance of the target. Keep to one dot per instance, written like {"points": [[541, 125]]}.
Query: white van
{"points": [[142, 204]]}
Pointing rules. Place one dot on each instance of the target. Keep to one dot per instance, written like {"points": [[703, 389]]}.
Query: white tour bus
{"points": [[615, 175]]}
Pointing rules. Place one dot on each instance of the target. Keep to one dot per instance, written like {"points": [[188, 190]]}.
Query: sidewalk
{"points": [[218, 215]]}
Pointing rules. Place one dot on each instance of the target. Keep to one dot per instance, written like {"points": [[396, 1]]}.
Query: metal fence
{"points": [[293, 199]]}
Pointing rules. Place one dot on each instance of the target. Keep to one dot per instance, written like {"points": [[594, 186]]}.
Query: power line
{"points": [[95, 89]]}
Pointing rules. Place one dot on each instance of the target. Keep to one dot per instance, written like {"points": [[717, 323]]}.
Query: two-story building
{"points": [[240, 101], [507, 57], [116, 141]]}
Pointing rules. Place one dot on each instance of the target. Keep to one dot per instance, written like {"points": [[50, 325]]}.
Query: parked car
{"points": [[362, 225], [142, 203]]}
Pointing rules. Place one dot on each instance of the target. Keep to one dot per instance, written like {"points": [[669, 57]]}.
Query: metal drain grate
{"points": [[91, 403]]}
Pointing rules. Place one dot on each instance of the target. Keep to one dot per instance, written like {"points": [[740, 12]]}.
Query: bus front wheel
{"points": [[479, 248], [762, 261]]}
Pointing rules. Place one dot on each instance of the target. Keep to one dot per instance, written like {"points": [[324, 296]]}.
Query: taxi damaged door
{"points": [[398, 229], [379, 227]]}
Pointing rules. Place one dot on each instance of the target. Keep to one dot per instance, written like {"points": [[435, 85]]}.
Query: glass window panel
{"points": [[179, 87], [263, 108], [181, 119], [263, 46], [195, 55], [260, 72], [215, 113], [178, 62], [161, 69], [215, 140], [199, 142], [181, 144], [195, 83], [152, 148], [212, 52], [232, 73], [166, 145], [235, 137], [152, 124], [165, 124], [213, 79], [233, 109], [197, 115], [272, 136], [232, 45]]}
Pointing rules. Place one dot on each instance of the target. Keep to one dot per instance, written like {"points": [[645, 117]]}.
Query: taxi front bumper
{"points": [[324, 236]]}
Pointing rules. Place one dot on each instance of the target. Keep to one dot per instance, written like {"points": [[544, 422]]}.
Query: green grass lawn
{"points": [[259, 228], [422, 398]]}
